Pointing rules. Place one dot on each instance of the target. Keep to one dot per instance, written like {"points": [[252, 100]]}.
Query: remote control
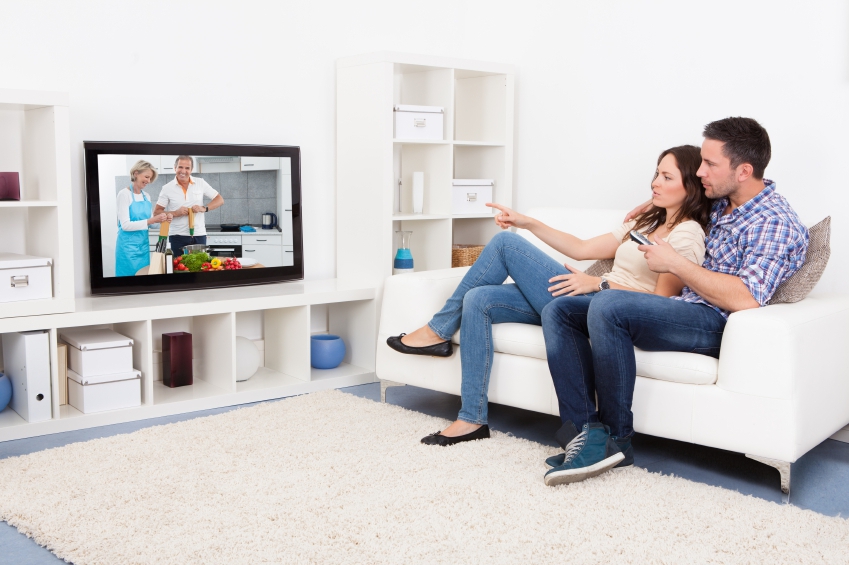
{"points": [[640, 238]]}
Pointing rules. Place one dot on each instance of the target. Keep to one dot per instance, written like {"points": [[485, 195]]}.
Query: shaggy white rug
{"points": [[332, 478]]}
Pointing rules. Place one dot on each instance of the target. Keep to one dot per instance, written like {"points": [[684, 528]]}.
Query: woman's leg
{"points": [[507, 254], [482, 307]]}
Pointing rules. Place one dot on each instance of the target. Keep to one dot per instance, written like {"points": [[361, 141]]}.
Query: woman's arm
{"points": [[125, 199], [600, 247]]}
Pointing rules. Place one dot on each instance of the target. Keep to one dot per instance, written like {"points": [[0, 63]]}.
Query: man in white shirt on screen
{"points": [[182, 194]]}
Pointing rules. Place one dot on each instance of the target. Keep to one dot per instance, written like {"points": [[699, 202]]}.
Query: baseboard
{"points": [[842, 435]]}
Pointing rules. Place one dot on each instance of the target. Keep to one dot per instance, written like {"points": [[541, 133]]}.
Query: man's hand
{"points": [[661, 257], [198, 209], [509, 218], [573, 284], [644, 207]]}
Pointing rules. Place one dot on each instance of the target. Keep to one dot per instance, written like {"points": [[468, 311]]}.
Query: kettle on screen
{"points": [[269, 221]]}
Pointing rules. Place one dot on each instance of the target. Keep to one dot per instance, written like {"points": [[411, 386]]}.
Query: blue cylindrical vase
{"points": [[326, 351], [5, 391]]}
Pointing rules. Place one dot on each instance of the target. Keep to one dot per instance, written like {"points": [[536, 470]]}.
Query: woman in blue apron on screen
{"points": [[135, 214]]}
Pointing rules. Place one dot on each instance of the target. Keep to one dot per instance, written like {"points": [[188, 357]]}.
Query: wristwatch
{"points": [[603, 285], [207, 208]]}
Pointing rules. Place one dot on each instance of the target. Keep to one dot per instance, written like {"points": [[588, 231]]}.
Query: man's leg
{"points": [[570, 358], [618, 320]]}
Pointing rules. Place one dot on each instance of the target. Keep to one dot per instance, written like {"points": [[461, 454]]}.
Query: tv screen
{"points": [[181, 216]]}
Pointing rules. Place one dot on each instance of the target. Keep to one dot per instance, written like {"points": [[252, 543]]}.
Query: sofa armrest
{"points": [[782, 350], [411, 300]]}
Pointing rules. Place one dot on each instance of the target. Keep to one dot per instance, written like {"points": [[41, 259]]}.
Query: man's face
{"points": [[183, 170], [718, 177]]}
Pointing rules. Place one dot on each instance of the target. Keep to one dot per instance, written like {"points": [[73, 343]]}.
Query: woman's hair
{"points": [[696, 205], [140, 167]]}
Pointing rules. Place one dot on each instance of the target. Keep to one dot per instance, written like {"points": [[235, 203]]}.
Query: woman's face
{"points": [[668, 187], [143, 178]]}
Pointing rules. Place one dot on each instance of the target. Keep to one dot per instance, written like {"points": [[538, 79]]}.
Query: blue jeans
{"points": [[482, 300], [616, 321], [178, 242]]}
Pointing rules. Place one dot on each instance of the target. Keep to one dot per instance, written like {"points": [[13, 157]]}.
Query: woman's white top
{"points": [[126, 197], [172, 198], [629, 266]]}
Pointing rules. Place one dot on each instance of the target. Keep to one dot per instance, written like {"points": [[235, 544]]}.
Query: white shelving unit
{"points": [[477, 98], [35, 142], [279, 314]]}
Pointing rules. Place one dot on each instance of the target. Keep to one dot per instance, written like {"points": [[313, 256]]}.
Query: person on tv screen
{"points": [[132, 251], [183, 197]]}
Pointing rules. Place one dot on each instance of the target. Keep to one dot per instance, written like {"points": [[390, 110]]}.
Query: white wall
{"points": [[602, 87]]}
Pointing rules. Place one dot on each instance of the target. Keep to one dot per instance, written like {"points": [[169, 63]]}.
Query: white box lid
{"points": [[473, 182], [419, 109], [100, 379], [16, 261], [84, 339]]}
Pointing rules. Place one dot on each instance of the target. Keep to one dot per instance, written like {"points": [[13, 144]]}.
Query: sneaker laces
{"points": [[574, 447]]}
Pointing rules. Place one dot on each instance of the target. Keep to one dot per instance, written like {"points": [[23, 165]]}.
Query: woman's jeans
{"points": [[482, 300]]}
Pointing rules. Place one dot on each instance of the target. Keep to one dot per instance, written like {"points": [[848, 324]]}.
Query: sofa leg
{"points": [[384, 384], [783, 469]]}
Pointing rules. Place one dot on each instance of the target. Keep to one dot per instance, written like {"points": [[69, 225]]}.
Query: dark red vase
{"points": [[177, 359]]}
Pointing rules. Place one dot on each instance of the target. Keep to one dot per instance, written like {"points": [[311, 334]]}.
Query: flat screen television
{"points": [[240, 205]]}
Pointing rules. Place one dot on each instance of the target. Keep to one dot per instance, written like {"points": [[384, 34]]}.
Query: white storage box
{"points": [[98, 352], [24, 277], [469, 196], [104, 392], [418, 122], [26, 356]]}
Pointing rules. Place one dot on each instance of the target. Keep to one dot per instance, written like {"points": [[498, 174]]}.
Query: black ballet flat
{"points": [[444, 349], [439, 439]]}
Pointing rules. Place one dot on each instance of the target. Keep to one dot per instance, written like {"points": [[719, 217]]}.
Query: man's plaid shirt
{"points": [[763, 242]]}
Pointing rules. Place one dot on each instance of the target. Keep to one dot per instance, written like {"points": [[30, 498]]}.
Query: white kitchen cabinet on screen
{"points": [[288, 256], [260, 164], [268, 255], [152, 159], [166, 163]]}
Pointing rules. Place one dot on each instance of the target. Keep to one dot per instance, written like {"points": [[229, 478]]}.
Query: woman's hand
{"points": [[169, 217], [509, 218], [157, 219], [577, 282]]}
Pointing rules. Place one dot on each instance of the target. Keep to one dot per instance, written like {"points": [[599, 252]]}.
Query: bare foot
{"points": [[422, 337], [459, 428]]}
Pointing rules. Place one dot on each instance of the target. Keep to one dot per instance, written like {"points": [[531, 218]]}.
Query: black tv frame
{"points": [[101, 285]]}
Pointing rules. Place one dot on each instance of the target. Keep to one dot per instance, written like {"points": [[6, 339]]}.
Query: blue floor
{"points": [[819, 480]]}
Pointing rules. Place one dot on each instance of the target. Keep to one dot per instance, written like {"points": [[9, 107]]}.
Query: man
{"points": [[182, 194], [755, 242]]}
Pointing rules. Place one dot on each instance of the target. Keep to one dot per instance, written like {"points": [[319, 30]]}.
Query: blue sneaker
{"points": [[624, 446], [564, 435], [590, 453]]}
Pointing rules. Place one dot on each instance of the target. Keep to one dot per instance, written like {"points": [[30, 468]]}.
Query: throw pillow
{"points": [[600, 267], [803, 281]]}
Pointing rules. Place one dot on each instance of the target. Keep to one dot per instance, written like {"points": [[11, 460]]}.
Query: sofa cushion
{"points": [[687, 368], [803, 281]]}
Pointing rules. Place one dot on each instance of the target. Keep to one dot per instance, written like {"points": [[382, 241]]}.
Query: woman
{"points": [[132, 249], [678, 214]]}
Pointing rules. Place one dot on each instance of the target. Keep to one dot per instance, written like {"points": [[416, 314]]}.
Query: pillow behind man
{"points": [[803, 281]]}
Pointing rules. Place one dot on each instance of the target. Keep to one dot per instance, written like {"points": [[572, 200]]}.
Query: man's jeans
{"points": [[616, 321], [482, 300], [178, 242]]}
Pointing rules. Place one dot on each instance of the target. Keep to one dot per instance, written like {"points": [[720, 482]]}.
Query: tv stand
{"points": [[280, 313]]}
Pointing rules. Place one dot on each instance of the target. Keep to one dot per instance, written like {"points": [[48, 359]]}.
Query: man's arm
{"points": [[724, 291]]}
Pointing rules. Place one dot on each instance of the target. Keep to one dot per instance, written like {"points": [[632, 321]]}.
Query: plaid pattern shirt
{"points": [[763, 242]]}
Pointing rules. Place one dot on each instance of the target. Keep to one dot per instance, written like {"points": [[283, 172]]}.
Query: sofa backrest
{"points": [[583, 223]]}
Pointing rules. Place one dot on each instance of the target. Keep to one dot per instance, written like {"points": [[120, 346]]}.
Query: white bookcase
{"points": [[35, 142], [278, 314], [477, 98]]}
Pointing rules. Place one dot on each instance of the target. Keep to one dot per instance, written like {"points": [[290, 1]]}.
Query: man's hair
{"points": [[184, 158], [746, 141]]}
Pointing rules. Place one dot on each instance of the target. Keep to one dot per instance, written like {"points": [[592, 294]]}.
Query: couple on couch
{"points": [[674, 294]]}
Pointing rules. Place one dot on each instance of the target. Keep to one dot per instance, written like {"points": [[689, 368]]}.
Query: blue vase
{"points": [[326, 351], [5, 391]]}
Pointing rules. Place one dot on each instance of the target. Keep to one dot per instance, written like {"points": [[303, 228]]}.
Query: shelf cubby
{"points": [[430, 243], [35, 143], [481, 107], [426, 86], [435, 162]]}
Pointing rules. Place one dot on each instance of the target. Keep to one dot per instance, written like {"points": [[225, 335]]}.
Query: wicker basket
{"points": [[465, 255]]}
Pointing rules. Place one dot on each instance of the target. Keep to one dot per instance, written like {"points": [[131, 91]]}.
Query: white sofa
{"points": [[779, 388]]}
